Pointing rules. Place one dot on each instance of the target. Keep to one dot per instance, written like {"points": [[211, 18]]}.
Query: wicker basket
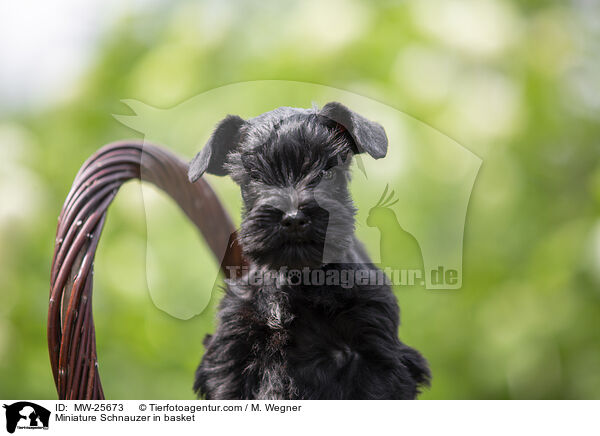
{"points": [[71, 335]]}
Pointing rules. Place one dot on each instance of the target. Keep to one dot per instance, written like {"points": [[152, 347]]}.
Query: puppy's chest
{"points": [[299, 338], [302, 331]]}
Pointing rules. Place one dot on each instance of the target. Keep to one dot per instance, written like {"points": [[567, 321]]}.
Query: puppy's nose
{"points": [[295, 221]]}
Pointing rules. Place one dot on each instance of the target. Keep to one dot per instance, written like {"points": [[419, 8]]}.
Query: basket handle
{"points": [[71, 333]]}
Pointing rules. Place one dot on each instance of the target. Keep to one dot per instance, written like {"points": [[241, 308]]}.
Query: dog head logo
{"points": [[432, 177], [26, 415]]}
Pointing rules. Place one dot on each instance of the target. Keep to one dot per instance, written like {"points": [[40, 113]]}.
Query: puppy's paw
{"points": [[344, 356], [417, 366]]}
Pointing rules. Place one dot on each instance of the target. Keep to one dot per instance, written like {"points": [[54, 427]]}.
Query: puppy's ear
{"points": [[212, 157], [368, 135]]}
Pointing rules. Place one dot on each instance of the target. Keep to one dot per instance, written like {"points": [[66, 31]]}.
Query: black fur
{"points": [[299, 341]]}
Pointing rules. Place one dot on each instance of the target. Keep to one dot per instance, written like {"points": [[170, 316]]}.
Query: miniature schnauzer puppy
{"points": [[294, 339]]}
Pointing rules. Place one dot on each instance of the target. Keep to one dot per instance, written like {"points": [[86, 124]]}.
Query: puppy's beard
{"points": [[298, 254], [266, 243], [275, 250]]}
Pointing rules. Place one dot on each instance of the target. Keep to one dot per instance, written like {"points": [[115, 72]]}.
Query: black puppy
{"points": [[308, 336]]}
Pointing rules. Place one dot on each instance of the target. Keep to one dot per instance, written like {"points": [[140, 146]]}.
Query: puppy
{"points": [[307, 335]]}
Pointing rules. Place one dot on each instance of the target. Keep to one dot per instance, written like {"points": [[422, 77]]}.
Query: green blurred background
{"points": [[517, 83]]}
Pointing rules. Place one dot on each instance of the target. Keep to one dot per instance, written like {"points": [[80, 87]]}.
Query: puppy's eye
{"points": [[327, 174]]}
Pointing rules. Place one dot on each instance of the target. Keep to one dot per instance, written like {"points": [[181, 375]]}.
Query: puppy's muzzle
{"points": [[295, 222]]}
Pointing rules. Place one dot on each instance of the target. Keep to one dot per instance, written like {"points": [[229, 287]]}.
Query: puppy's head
{"points": [[292, 168]]}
